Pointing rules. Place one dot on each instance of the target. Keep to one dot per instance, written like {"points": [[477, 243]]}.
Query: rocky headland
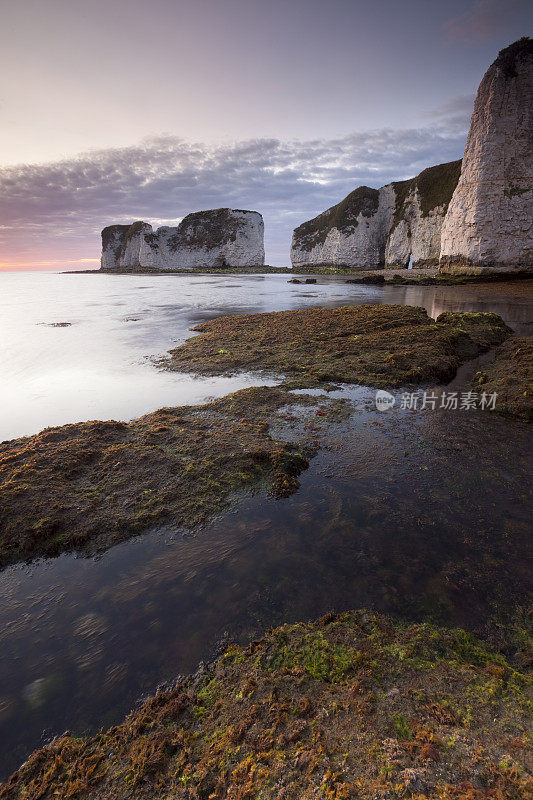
{"points": [[372, 228], [218, 238], [489, 221], [470, 213]]}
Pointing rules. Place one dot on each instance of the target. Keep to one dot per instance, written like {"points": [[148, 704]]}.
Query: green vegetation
{"points": [[434, 186], [210, 228], [343, 216], [352, 706], [510, 376], [377, 345]]}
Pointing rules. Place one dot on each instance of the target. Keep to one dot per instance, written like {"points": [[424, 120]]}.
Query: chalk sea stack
{"points": [[222, 237], [490, 218], [475, 212]]}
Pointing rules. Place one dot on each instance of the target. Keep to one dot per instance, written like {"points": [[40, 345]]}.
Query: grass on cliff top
{"points": [[435, 186], [352, 706], [376, 345], [343, 216], [96, 483], [510, 375]]}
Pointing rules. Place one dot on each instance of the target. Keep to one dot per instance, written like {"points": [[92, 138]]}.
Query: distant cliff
{"points": [[373, 228], [216, 238], [477, 212], [490, 218]]}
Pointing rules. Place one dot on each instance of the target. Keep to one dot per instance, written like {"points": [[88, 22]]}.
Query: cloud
{"points": [[54, 212], [455, 113], [485, 20]]}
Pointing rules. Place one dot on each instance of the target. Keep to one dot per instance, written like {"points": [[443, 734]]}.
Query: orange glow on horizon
{"points": [[6, 265]]}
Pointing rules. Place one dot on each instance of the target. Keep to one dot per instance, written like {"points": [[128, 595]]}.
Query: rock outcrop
{"points": [[490, 221], [222, 237], [471, 213], [420, 208], [351, 233], [373, 228]]}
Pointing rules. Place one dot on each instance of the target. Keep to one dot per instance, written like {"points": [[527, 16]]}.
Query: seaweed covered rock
{"points": [[376, 345], [351, 706], [221, 237], [510, 378], [489, 220], [93, 484]]}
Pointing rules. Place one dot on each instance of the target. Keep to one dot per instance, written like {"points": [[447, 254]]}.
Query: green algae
{"points": [[376, 345], [510, 378], [323, 709], [92, 484]]}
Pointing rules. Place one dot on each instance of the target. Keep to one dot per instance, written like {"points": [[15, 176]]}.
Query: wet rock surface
{"points": [[383, 345], [94, 484], [352, 705]]}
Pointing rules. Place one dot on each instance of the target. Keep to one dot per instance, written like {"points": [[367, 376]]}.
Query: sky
{"points": [[117, 110]]}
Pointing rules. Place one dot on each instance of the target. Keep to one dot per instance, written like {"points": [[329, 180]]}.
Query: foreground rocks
{"points": [[352, 706], [376, 345], [222, 237], [93, 484], [510, 377]]}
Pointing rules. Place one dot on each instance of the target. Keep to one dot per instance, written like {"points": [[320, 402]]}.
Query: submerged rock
{"points": [[489, 221], [222, 237]]}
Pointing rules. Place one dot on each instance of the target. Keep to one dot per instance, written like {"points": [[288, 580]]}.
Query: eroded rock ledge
{"points": [[375, 345], [93, 484]]}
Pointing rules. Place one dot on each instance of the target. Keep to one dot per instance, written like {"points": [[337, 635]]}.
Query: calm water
{"points": [[100, 366], [425, 515]]}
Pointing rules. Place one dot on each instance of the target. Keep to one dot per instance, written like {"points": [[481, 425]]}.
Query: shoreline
{"points": [[424, 276], [355, 704]]}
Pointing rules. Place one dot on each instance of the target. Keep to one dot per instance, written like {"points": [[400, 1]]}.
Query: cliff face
{"points": [[489, 221], [127, 246], [420, 208], [351, 233], [372, 228], [217, 238]]}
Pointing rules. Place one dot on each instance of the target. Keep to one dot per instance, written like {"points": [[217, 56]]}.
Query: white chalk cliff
{"points": [[490, 218], [373, 228], [477, 212], [216, 238]]}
